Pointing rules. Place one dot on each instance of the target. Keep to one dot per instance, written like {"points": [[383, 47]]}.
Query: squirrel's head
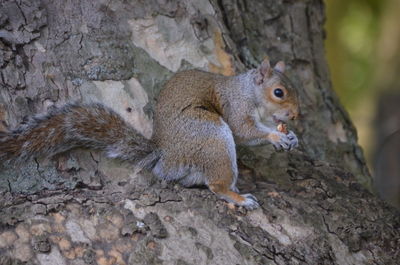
{"points": [[275, 93]]}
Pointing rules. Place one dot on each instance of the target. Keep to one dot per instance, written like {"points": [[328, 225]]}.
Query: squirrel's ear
{"points": [[280, 66], [263, 70], [265, 67]]}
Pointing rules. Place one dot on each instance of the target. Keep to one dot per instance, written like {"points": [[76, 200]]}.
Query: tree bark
{"points": [[80, 208]]}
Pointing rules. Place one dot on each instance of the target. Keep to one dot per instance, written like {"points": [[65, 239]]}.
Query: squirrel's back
{"points": [[189, 87], [184, 91]]}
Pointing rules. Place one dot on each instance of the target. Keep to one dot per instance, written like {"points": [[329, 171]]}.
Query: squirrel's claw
{"points": [[250, 202], [286, 142], [294, 142]]}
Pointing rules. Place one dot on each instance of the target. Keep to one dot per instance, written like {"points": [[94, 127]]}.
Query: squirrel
{"points": [[198, 120]]}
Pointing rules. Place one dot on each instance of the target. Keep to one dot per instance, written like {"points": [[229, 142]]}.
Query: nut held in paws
{"points": [[282, 127]]}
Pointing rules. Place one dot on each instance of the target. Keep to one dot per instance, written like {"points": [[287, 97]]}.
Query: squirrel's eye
{"points": [[278, 93]]}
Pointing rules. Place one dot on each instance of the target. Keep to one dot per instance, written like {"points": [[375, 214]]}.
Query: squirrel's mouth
{"points": [[277, 120]]}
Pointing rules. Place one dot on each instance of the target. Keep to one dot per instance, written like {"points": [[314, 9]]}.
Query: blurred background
{"points": [[363, 50]]}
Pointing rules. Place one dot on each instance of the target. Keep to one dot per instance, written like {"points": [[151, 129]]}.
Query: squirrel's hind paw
{"points": [[250, 202], [246, 200]]}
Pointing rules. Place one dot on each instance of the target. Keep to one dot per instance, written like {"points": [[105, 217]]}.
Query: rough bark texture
{"points": [[80, 208]]}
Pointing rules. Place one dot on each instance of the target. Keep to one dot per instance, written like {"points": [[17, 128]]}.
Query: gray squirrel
{"points": [[199, 117]]}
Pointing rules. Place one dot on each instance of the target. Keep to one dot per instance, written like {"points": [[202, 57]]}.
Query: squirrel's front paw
{"points": [[283, 141]]}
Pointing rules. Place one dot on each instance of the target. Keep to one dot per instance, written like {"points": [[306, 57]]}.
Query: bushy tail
{"points": [[89, 126]]}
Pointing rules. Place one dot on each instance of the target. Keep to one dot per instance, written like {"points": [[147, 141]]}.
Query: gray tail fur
{"points": [[92, 126]]}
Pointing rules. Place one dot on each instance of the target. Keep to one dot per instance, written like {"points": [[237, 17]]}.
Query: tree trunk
{"points": [[80, 208]]}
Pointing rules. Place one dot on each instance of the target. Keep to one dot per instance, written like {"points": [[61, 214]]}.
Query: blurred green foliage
{"points": [[363, 50], [352, 32]]}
